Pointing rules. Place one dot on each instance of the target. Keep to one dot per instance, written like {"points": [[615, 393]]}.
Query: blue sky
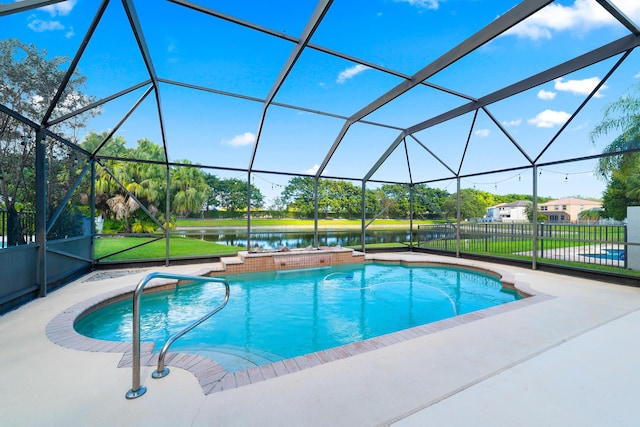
{"points": [[404, 36]]}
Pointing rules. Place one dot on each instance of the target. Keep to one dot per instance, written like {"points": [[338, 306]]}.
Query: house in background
{"points": [[508, 212], [566, 210]]}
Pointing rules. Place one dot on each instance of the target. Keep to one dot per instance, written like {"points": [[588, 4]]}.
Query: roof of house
{"points": [[517, 204], [571, 201]]}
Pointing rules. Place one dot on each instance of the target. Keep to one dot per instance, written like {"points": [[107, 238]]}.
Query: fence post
{"points": [[542, 240], [626, 252]]}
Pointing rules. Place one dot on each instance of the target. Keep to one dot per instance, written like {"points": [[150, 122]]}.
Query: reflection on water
{"points": [[273, 239]]}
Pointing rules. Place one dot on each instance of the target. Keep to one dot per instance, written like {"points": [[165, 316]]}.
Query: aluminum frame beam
{"points": [[501, 24], [74, 62], [622, 45], [148, 61], [99, 102], [273, 103], [597, 55], [284, 36], [620, 16], [25, 5], [312, 25]]}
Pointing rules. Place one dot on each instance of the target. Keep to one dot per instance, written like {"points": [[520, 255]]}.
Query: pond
{"points": [[276, 238]]}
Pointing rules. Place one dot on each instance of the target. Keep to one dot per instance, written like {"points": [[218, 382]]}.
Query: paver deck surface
{"points": [[568, 360]]}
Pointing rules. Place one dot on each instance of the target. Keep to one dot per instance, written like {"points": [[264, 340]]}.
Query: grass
{"points": [[181, 247], [178, 247], [591, 266]]}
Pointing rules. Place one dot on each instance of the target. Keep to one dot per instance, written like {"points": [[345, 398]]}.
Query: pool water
{"points": [[273, 316], [613, 254]]}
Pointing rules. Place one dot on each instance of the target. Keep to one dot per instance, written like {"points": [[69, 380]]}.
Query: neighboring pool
{"points": [[274, 316], [613, 254]]}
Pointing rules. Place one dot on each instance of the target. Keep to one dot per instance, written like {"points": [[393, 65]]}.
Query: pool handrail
{"points": [[137, 389]]}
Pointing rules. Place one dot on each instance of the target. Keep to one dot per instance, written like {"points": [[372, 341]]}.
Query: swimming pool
{"points": [[273, 316], [613, 254]]}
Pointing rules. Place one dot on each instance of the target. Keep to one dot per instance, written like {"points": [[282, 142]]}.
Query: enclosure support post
{"points": [[92, 249], [167, 228], [534, 220], [364, 215], [411, 217], [315, 212], [458, 216], [249, 210], [41, 210]]}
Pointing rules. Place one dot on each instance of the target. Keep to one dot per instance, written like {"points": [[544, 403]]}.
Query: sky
{"points": [[400, 35]]}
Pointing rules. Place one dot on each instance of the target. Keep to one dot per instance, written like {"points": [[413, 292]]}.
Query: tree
{"points": [[614, 198], [299, 195], [29, 83], [473, 203], [395, 197], [528, 210], [620, 170], [428, 202], [188, 189], [590, 215], [231, 194], [105, 185]]}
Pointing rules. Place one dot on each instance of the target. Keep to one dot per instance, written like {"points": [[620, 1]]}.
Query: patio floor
{"points": [[568, 360]]}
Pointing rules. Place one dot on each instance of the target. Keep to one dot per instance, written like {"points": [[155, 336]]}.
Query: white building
{"points": [[508, 212]]}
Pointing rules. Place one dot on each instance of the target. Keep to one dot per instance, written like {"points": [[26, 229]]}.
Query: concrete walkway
{"points": [[567, 361]]}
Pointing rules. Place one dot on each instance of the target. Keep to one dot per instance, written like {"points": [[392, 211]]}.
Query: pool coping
{"points": [[213, 378]]}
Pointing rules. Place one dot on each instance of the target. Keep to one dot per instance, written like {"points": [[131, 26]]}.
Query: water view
{"points": [[275, 238]]}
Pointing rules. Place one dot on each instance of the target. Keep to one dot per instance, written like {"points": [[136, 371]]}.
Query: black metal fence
{"points": [[580, 243], [27, 220]]}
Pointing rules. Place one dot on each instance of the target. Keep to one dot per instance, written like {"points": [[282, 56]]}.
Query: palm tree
{"points": [[620, 170], [590, 215], [122, 207], [188, 189], [622, 116]]}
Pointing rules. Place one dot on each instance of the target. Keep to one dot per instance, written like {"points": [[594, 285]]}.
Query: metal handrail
{"points": [[138, 390]]}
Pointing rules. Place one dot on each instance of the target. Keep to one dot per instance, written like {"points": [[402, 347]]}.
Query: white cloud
{"points": [[546, 95], [313, 170], [61, 9], [39, 25], [171, 44], [637, 76], [241, 140], [579, 87], [549, 119], [58, 9], [515, 122], [584, 125], [483, 133], [583, 15], [422, 4], [351, 72]]}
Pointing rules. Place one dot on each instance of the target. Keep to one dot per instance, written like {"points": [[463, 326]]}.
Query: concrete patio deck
{"points": [[569, 360]]}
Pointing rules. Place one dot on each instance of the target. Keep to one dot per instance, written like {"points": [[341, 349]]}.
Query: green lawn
{"points": [[178, 246]]}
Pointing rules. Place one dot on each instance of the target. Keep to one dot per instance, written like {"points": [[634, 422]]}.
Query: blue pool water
{"points": [[614, 254], [273, 316]]}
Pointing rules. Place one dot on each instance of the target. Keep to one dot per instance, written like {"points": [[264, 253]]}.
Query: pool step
{"points": [[247, 262], [234, 358]]}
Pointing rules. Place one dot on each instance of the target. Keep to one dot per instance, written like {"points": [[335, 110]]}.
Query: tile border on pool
{"points": [[214, 378]]}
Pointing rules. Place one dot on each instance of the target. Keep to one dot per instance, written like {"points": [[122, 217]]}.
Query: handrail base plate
{"points": [[132, 394]]}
